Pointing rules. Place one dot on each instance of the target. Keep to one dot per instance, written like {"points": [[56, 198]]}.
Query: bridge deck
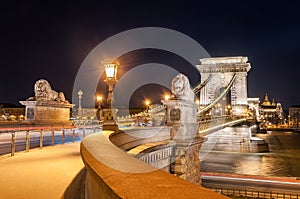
{"points": [[40, 173]]}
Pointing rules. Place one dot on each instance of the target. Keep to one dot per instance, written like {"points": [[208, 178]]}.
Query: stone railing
{"points": [[157, 154], [154, 158], [127, 139], [111, 173]]}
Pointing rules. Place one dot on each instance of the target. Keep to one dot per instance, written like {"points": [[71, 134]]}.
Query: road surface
{"points": [[255, 183]]}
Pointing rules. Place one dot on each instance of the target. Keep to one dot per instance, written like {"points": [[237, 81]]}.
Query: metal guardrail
{"points": [[42, 129], [245, 193]]}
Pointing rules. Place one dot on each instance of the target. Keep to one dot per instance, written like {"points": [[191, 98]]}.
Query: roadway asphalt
{"points": [[288, 185]]}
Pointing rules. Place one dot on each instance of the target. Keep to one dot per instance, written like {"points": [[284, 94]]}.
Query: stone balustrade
{"points": [[131, 137], [157, 154], [111, 173]]}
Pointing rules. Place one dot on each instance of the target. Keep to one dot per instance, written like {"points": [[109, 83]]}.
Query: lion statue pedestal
{"points": [[182, 117], [47, 106], [182, 109]]}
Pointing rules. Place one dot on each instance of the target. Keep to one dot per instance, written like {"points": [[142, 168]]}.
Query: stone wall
{"points": [[186, 163]]}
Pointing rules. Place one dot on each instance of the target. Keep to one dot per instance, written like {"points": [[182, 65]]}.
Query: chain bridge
{"points": [[223, 96]]}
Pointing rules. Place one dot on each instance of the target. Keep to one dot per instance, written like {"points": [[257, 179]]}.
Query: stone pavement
{"points": [[40, 173]]}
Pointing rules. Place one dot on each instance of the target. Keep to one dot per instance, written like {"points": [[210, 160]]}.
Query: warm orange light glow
{"points": [[99, 98], [147, 102], [198, 101], [167, 97], [111, 69]]}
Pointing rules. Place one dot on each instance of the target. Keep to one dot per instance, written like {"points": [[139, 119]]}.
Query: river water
{"points": [[282, 160]]}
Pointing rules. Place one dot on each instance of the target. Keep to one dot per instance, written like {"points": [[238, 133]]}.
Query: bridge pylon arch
{"points": [[221, 71]]}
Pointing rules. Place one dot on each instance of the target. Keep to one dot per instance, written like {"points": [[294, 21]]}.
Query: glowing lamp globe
{"points": [[111, 70]]}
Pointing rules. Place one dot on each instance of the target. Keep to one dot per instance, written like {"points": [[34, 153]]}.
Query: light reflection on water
{"points": [[282, 160]]}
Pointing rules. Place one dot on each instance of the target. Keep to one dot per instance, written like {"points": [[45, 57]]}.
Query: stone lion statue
{"points": [[43, 92], [181, 88]]}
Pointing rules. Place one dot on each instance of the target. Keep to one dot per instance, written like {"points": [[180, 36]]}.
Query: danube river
{"points": [[282, 160]]}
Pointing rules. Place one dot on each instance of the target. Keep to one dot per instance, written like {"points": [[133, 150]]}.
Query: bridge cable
{"points": [[208, 107], [200, 85]]}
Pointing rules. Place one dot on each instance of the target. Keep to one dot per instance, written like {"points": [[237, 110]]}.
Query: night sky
{"points": [[50, 40]]}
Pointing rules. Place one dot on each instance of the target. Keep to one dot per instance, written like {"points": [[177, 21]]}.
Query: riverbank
{"points": [[297, 130]]}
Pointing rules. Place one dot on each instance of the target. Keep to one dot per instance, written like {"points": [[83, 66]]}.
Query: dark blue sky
{"points": [[50, 40]]}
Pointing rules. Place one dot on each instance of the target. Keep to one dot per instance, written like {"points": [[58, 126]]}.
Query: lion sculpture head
{"points": [[43, 92], [181, 88]]}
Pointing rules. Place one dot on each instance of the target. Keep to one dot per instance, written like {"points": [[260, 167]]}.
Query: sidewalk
{"points": [[40, 173]]}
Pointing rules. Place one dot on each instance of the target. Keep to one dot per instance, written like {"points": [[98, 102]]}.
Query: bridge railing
{"points": [[218, 122], [23, 138]]}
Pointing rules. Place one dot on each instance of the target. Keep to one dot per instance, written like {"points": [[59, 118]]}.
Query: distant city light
{"points": [[167, 97], [99, 98], [147, 102]]}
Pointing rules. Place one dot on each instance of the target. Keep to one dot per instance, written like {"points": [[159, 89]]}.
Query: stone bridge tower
{"points": [[220, 72]]}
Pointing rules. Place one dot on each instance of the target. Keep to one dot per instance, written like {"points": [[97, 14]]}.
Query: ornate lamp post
{"points": [[111, 69], [80, 93], [147, 102], [111, 78], [99, 101]]}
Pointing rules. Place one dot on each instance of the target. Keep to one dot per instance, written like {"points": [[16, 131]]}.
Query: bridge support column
{"points": [[182, 117]]}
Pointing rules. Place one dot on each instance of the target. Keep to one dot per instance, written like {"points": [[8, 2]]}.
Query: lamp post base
{"points": [[109, 122], [110, 127]]}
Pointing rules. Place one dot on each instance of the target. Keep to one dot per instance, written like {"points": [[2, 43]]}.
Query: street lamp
{"points": [[147, 102], [167, 97], [99, 101], [111, 69], [228, 109], [80, 93]]}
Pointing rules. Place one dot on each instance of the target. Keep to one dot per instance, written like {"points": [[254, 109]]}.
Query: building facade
{"points": [[12, 113], [294, 116], [271, 113]]}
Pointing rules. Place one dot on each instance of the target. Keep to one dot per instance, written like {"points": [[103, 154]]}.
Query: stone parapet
{"points": [[129, 138], [114, 174]]}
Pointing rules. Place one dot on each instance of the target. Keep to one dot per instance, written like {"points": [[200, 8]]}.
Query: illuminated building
{"points": [[271, 113], [294, 116]]}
